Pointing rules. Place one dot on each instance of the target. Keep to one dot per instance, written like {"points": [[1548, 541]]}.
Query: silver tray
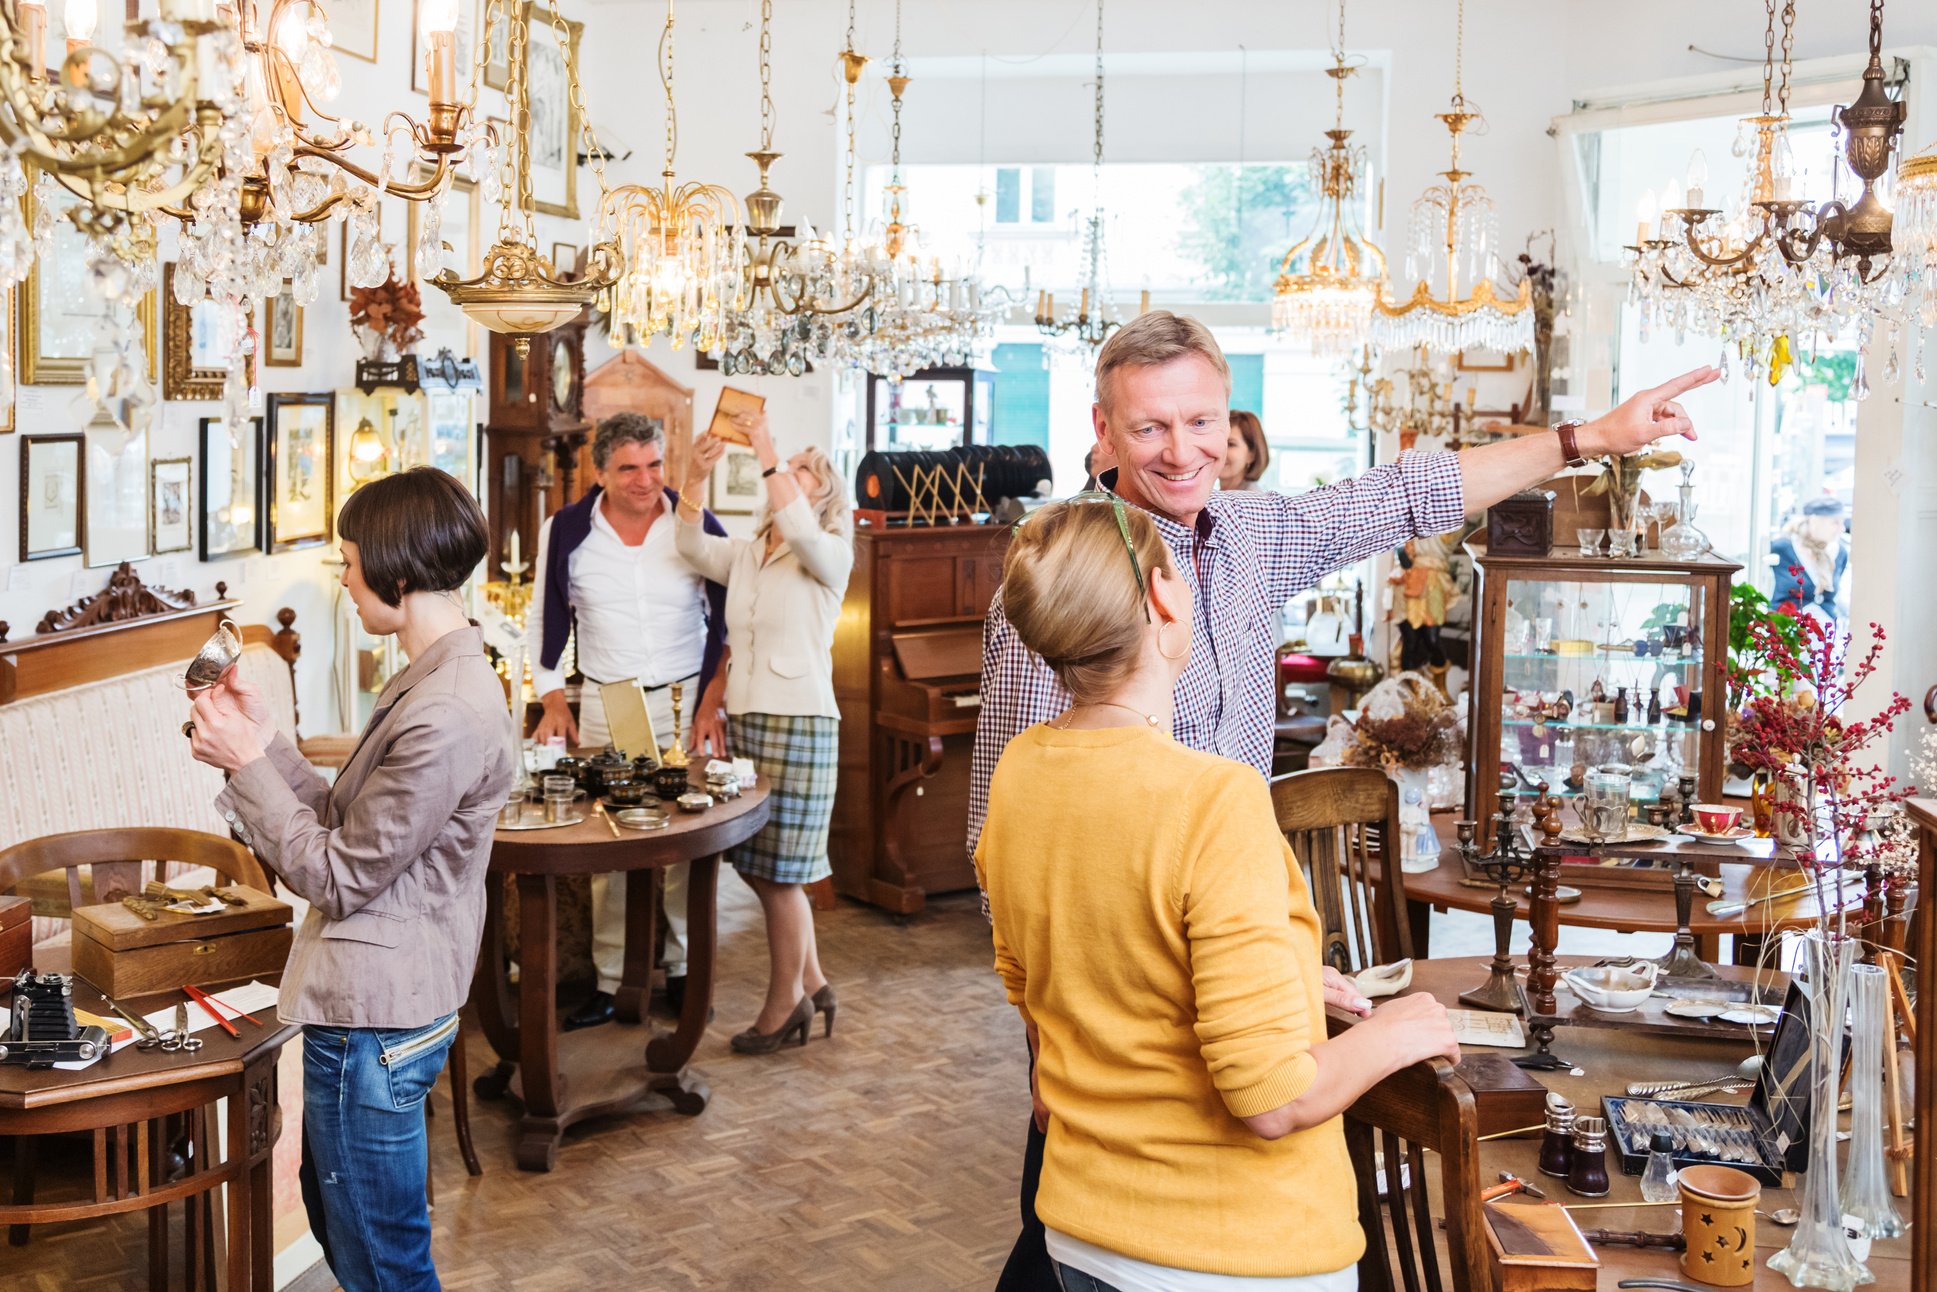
{"points": [[535, 820], [643, 818], [1637, 832]]}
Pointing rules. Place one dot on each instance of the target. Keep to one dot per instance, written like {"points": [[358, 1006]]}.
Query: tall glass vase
{"points": [[1819, 1256], [1866, 1190]]}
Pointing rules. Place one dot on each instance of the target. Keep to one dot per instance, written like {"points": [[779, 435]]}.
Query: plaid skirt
{"points": [[796, 757]]}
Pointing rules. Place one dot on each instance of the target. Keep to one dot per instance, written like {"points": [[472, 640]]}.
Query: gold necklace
{"points": [[1150, 718]]}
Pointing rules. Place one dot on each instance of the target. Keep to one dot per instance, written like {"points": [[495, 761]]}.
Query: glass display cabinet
{"points": [[1588, 661], [934, 409]]}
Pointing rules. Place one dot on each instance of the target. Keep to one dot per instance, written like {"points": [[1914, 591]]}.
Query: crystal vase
{"points": [[1819, 1256], [1866, 1190]]}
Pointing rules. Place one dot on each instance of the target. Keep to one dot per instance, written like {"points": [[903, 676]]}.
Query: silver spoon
{"points": [[1745, 1070]]}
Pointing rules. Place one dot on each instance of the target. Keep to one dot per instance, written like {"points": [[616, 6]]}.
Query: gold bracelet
{"points": [[685, 501]]}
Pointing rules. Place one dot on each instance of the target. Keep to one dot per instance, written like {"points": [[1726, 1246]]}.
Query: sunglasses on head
{"points": [[1123, 528]]}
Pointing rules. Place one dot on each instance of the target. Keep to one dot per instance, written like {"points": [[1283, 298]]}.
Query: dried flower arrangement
{"points": [[1405, 721], [391, 310]]}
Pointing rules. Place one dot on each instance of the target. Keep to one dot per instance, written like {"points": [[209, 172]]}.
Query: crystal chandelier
{"points": [[1080, 330], [1328, 281], [517, 291], [683, 248], [1453, 233], [794, 287]]}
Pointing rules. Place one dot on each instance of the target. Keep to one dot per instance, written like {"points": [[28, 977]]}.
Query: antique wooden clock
{"points": [[537, 440]]}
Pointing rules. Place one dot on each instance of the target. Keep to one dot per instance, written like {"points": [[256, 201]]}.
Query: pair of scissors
{"points": [[152, 1038]]}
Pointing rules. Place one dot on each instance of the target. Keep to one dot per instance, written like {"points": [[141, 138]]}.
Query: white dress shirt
{"points": [[641, 609]]}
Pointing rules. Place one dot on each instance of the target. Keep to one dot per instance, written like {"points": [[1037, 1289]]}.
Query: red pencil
{"points": [[200, 998]]}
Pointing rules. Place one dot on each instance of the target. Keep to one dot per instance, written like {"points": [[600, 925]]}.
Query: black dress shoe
{"points": [[599, 1009]]}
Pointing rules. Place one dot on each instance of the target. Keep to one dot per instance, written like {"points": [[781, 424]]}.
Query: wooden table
{"points": [[604, 1078], [1744, 872], [120, 1100], [1610, 1058]]}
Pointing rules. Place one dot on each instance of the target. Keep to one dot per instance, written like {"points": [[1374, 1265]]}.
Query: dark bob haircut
{"points": [[1248, 425], [416, 531]]}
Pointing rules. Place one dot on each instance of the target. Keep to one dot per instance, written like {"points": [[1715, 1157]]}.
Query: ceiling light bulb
{"points": [[291, 35], [80, 17], [439, 16]]}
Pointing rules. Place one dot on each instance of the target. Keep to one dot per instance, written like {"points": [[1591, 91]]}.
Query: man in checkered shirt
{"points": [[1163, 394]]}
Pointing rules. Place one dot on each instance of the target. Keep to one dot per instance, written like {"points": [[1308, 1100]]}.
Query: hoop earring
{"points": [[1160, 642]]}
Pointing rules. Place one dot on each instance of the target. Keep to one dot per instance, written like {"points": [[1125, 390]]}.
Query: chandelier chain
{"points": [[1459, 59], [766, 75], [1788, 43], [666, 80], [1768, 57], [896, 151], [847, 185], [518, 95], [576, 92], [1096, 148]]}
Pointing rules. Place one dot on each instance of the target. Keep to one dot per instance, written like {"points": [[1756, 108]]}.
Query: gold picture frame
{"points": [[171, 505], [65, 369], [181, 376], [282, 331], [552, 115], [1482, 360]]}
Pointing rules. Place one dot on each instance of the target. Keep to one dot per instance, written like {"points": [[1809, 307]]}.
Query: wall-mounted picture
{"points": [[564, 257], [51, 491], [463, 48], [553, 156], [171, 526], [736, 483], [198, 342], [1485, 361], [282, 338], [301, 443], [449, 428], [61, 313], [353, 28], [497, 63], [117, 496], [232, 487]]}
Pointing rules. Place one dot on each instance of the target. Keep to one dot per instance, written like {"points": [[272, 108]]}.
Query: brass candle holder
{"points": [[675, 755]]}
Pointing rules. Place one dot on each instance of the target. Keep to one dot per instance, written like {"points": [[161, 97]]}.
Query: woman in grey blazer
{"points": [[391, 859], [783, 595]]}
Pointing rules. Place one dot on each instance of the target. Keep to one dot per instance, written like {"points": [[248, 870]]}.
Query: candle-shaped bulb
{"points": [[1671, 200], [1782, 166], [80, 17], [514, 549], [1697, 177], [33, 35], [1644, 218], [804, 234], [439, 16]]}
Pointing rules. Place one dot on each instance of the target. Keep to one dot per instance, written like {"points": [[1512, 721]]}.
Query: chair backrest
{"points": [[1389, 1131], [115, 860], [1338, 820]]}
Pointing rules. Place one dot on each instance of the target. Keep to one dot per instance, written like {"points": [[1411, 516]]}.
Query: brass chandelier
{"points": [[682, 246], [1083, 329], [1328, 281], [1453, 233], [518, 292]]}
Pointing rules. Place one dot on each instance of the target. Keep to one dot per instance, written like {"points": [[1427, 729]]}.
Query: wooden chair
{"points": [[1389, 1130], [1337, 820]]}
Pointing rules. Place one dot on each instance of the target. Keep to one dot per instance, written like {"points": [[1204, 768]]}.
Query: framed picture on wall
{"points": [[736, 483], [353, 28], [60, 311], [302, 437], [198, 343], [171, 526], [52, 488], [497, 60], [117, 496], [552, 158], [282, 342], [463, 47], [449, 416], [232, 486], [1486, 361]]}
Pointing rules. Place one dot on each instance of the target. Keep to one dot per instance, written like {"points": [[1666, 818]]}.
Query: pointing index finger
{"points": [[1675, 387]]}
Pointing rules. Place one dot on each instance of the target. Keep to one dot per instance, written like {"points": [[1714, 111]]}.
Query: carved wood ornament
{"points": [[126, 597]]}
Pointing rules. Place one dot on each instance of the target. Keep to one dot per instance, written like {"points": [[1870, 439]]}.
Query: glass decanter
{"points": [[1866, 1190], [1681, 541]]}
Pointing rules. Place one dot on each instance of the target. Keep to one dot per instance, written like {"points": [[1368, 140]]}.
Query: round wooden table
{"points": [[604, 1075], [1624, 909]]}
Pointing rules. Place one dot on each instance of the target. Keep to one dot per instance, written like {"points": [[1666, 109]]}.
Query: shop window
{"points": [[1042, 194], [1008, 194], [1021, 406]]}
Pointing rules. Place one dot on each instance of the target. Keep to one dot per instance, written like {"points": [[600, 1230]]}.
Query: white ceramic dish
{"points": [[1755, 1015], [1612, 990]]}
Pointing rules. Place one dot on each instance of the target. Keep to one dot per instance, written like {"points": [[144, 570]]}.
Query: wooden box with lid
{"points": [[16, 935], [122, 954]]}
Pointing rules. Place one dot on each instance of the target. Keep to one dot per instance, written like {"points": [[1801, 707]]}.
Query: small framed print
{"points": [[736, 483], [353, 28], [171, 527], [117, 497], [463, 47], [232, 485], [60, 311], [53, 471], [564, 258], [301, 442], [551, 160], [1486, 361], [198, 341], [283, 336]]}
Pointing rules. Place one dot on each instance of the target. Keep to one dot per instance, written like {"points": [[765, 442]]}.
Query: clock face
{"points": [[564, 369]]}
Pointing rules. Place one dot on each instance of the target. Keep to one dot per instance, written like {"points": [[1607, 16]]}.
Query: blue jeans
{"points": [[1072, 1279], [365, 1153]]}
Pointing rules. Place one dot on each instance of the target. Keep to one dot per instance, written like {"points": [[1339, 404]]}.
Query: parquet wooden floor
{"points": [[886, 1159]]}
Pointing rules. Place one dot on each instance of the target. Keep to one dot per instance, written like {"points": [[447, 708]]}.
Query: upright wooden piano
{"points": [[907, 666]]}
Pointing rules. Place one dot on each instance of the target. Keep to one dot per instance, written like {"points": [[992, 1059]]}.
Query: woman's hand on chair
{"points": [[1419, 1028]]}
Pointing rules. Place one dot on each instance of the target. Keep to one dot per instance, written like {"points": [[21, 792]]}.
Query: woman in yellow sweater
{"points": [[1155, 931]]}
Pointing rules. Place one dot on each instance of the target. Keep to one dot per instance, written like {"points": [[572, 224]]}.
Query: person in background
{"points": [[1810, 555], [783, 597], [1163, 950], [392, 860], [609, 577], [1246, 455], [1163, 395]]}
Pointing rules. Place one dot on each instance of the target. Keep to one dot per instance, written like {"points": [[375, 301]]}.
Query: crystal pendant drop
{"points": [[1860, 384]]}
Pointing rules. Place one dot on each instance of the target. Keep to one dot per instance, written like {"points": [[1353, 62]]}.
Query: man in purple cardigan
{"points": [[610, 578]]}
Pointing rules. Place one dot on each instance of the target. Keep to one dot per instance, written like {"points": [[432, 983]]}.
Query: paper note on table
{"points": [[1480, 1027]]}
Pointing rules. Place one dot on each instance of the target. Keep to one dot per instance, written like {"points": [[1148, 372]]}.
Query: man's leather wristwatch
{"points": [[1569, 450]]}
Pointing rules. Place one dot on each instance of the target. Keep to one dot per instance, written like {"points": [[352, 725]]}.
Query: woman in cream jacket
{"points": [[783, 595]]}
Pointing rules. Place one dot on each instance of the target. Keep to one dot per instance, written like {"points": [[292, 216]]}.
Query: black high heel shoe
{"points": [[752, 1042], [824, 1003]]}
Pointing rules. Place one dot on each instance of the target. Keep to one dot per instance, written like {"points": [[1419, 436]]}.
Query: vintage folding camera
{"points": [[42, 1030]]}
